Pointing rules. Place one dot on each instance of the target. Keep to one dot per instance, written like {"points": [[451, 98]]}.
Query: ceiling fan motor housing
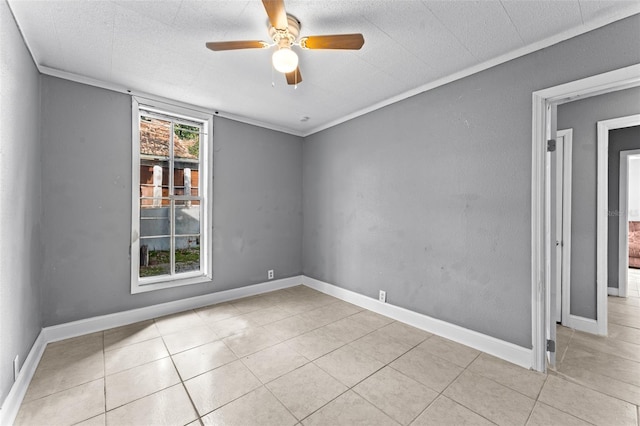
{"points": [[288, 36]]}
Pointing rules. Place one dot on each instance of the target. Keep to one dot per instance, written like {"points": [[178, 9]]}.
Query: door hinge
{"points": [[551, 145], [551, 345]]}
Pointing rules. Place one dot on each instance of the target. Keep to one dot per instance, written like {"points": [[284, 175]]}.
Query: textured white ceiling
{"points": [[158, 47]]}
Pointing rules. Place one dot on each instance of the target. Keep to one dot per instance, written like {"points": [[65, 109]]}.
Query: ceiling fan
{"points": [[284, 30]]}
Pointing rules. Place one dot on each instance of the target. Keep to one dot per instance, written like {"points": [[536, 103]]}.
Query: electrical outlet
{"points": [[270, 274], [382, 296], [16, 367]]}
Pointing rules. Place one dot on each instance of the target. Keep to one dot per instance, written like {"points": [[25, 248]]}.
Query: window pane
{"points": [[186, 150], [187, 230], [186, 178], [155, 137], [187, 254], [186, 142], [154, 221], [154, 183], [187, 218], [155, 241], [155, 257], [195, 182]]}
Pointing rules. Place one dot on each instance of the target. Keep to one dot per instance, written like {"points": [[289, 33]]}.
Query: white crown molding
{"points": [[525, 50], [550, 41], [53, 72], [482, 342], [24, 40]]}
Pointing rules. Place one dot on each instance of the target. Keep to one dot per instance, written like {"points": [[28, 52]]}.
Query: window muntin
{"points": [[169, 242]]}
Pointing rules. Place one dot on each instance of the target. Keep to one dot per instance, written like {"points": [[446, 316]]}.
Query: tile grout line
{"points": [[140, 365], [342, 346], [301, 334], [536, 401], [193, 405], [317, 366], [458, 402], [104, 375], [352, 388], [281, 403]]}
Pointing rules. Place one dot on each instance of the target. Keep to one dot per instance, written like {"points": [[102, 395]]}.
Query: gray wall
{"points": [[429, 198], [257, 212], [20, 207], [582, 116], [86, 139]]}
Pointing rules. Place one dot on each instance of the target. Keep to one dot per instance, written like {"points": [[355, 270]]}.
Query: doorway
{"points": [[620, 248], [543, 297], [629, 214]]}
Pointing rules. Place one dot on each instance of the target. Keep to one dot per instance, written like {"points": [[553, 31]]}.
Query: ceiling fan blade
{"points": [[294, 77], [277, 14], [234, 45], [337, 41]]}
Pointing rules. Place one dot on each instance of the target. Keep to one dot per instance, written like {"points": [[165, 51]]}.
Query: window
{"points": [[171, 215]]}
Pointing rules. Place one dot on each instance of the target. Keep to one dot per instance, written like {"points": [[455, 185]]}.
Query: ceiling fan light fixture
{"points": [[285, 60]]}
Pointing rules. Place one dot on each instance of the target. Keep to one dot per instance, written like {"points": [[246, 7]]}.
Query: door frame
{"points": [[603, 196], [542, 101]]}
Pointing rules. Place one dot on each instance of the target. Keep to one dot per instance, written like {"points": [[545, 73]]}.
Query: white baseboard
{"points": [[583, 324], [613, 291], [12, 402], [496, 347], [54, 333], [499, 348], [105, 322]]}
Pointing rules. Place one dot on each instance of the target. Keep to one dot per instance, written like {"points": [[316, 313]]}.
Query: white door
{"points": [[556, 193], [561, 181], [558, 237]]}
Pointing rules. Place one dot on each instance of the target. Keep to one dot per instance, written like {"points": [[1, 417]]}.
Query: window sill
{"points": [[138, 287]]}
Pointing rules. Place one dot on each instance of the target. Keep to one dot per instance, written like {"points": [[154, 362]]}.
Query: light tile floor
{"points": [[609, 365], [299, 357]]}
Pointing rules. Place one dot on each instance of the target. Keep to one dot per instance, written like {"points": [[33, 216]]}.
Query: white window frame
{"points": [[205, 274]]}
